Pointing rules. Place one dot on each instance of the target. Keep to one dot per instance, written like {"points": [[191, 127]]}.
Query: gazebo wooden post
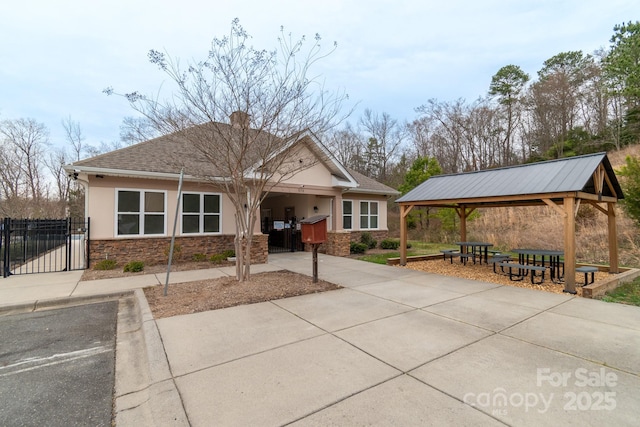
{"points": [[613, 238], [570, 245], [462, 213], [404, 211]]}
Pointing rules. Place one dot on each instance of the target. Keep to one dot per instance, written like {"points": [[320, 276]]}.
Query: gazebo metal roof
{"points": [[519, 184]]}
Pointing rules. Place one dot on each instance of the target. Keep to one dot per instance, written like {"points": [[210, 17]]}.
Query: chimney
{"points": [[239, 119]]}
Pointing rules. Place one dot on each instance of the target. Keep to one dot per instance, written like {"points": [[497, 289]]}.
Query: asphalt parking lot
{"points": [[57, 367]]}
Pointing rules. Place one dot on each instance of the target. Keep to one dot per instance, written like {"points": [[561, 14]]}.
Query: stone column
{"points": [[338, 243]]}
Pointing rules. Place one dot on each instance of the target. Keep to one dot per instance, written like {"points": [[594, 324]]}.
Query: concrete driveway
{"points": [[397, 347]]}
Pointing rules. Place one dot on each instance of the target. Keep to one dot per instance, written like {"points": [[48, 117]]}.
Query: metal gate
{"points": [[284, 236], [43, 245]]}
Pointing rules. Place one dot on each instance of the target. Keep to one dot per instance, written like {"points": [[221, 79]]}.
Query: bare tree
{"points": [[74, 136], [24, 142], [386, 136], [55, 162], [136, 129], [63, 184], [421, 132], [557, 95], [10, 180], [275, 104], [346, 145]]}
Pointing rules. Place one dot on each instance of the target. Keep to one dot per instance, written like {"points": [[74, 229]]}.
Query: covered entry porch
{"points": [[281, 213]]}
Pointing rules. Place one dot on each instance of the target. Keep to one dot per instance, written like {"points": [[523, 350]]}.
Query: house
{"points": [[131, 196]]}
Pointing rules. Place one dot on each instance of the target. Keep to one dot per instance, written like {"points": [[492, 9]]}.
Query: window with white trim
{"points": [[347, 214], [368, 215], [200, 213], [140, 212]]}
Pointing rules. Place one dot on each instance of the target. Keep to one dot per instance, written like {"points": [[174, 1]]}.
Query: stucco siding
{"points": [[102, 204], [356, 199]]}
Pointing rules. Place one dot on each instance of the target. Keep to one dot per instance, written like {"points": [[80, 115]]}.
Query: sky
{"points": [[57, 56]]}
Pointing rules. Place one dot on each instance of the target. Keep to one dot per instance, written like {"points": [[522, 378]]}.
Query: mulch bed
{"points": [[484, 272], [213, 294]]}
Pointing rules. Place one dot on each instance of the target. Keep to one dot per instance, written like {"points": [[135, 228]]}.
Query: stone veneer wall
{"points": [[154, 250], [379, 235]]}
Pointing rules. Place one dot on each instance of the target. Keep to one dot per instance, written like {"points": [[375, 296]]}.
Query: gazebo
{"points": [[561, 184]]}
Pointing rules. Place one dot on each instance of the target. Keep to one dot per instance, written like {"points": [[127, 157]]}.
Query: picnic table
{"points": [[478, 249], [543, 258]]}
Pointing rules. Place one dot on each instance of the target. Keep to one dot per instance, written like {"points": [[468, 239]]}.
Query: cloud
{"points": [[392, 55]]}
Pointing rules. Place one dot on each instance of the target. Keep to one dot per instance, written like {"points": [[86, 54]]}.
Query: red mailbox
{"points": [[314, 229]]}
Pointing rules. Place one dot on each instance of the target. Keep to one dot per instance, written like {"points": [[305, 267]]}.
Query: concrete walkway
{"points": [[394, 347]]}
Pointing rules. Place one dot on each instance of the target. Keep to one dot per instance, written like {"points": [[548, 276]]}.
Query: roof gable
{"points": [[573, 174]]}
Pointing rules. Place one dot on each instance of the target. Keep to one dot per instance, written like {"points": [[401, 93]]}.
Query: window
{"points": [[347, 214], [200, 213], [140, 212], [368, 215]]}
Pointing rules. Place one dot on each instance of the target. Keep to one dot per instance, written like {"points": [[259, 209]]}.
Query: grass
{"points": [[417, 248], [628, 293]]}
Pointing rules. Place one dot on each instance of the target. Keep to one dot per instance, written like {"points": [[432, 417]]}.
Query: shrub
{"points": [[631, 187], [105, 264], [229, 253], [177, 252], [134, 267], [217, 258], [367, 239], [357, 248], [390, 244], [199, 257]]}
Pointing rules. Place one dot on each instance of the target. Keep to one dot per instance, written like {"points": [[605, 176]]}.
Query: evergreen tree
{"points": [[631, 187]]}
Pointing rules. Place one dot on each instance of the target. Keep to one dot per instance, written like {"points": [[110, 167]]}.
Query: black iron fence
{"points": [[284, 236], [43, 245]]}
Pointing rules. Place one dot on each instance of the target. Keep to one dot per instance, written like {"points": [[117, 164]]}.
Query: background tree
{"points": [[273, 99], [136, 129], [69, 199], [422, 169], [556, 97], [23, 146], [630, 184], [384, 142], [622, 68], [508, 85]]}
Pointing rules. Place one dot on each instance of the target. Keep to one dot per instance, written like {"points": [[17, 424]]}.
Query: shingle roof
{"points": [[555, 176], [369, 185], [165, 154], [169, 154]]}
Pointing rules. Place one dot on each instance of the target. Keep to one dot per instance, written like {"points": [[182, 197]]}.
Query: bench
{"points": [[454, 253], [449, 253], [586, 270], [521, 268], [465, 257], [495, 259]]}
